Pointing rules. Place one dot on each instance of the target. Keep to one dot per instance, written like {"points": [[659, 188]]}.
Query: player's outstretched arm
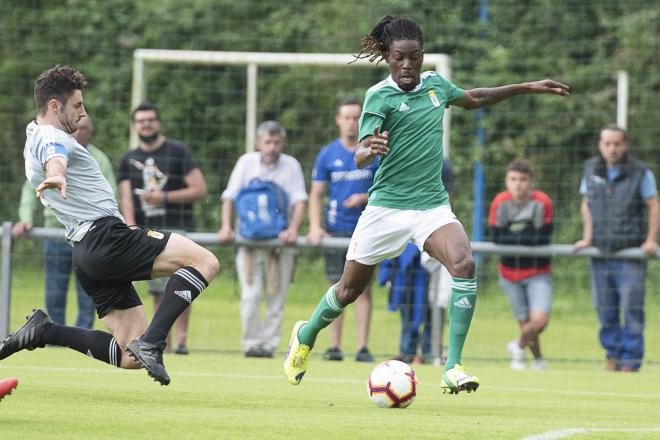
{"points": [[482, 97], [55, 177]]}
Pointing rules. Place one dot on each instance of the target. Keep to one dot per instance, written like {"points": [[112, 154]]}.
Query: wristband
{"points": [[164, 197]]}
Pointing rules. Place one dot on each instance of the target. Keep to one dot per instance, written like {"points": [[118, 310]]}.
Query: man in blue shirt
{"points": [[618, 190], [346, 185]]}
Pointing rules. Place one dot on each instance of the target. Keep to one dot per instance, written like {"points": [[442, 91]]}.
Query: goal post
{"points": [[252, 61]]}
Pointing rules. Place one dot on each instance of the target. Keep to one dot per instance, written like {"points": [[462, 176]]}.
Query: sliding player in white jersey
{"points": [[107, 254]]}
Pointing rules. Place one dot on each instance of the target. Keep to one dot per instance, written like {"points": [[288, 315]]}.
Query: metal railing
{"points": [[211, 238]]}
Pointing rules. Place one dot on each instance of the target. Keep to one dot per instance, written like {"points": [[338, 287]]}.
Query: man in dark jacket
{"points": [[617, 189]]}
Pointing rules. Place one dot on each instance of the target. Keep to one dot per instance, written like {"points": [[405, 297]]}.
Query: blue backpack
{"points": [[262, 208]]}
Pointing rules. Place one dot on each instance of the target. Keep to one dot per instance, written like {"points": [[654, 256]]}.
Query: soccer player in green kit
{"points": [[401, 123]]}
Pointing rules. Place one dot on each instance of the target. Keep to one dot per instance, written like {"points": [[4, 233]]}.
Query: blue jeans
{"points": [[411, 336], [617, 286], [58, 267]]}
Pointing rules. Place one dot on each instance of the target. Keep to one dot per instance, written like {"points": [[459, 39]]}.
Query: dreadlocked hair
{"points": [[375, 44]]}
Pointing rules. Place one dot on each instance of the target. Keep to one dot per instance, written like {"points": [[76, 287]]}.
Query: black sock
{"points": [[93, 343], [183, 287]]}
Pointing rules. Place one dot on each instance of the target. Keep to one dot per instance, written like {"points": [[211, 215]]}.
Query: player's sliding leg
{"points": [[355, 279], [40, 330], [451, 247], [190, 268], [182, 288]]}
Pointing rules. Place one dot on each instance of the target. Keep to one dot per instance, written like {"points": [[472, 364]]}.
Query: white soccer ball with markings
{"points": [[392, 384]]}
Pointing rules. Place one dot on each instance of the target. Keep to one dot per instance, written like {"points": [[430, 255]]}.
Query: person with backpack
{"points": [[266, 190]]}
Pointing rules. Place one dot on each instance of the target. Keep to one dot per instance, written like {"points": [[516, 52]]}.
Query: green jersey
{"points": [[409, 176]]}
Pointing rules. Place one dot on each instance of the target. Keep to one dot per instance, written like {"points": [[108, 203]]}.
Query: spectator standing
{"points": [[522, 215], [269, 268], [57, 253], [158, 183], [619, 210], [335, 172]]}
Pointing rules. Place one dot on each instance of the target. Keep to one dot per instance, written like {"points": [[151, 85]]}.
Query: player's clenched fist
{"points": [[378, 143]]}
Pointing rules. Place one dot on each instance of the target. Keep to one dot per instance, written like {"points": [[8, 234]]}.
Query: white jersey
{"points": [[89, 195]]}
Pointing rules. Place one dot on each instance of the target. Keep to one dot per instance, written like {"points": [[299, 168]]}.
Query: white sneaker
{"points": [[517, 355], [539, 364]]}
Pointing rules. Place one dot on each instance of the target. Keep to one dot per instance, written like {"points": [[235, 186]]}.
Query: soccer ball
{"points": [[392, 384]]}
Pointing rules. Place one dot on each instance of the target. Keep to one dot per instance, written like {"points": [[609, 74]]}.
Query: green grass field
{"points": [[217, 393], [225, 396]]}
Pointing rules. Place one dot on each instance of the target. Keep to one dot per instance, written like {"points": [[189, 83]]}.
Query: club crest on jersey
{"points": [[434, 99], [155, 234]]}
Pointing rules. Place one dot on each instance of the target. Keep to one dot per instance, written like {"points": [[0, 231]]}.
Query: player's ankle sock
{"points": [[183, 287], [94, 343], [461, 308], [326, 312]]}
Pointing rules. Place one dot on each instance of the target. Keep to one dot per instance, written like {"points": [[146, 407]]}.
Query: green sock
{"points": [[326, 312], [461, 308]]}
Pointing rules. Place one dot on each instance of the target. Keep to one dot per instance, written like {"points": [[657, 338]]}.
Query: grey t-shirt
{"points": [[89, 195]]}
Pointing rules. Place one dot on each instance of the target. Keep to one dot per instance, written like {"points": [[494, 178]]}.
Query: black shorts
{"points": [[335, 260], [110, 257]]}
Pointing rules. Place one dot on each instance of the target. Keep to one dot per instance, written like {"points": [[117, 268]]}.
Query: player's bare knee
{"points": [[539, 324], [464, 268], [347, 294], [213, 263], [206, 263]]}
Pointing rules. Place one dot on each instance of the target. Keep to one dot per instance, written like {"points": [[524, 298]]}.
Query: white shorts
{"points": [[383, 233]]}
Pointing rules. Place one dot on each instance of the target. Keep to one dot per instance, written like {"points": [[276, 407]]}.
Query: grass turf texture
{"points": [[65, 395], [217, 393]]}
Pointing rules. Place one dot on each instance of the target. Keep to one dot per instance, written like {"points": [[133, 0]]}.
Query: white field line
{"points": [[331, 380], [569, 432], [577, 392]]}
